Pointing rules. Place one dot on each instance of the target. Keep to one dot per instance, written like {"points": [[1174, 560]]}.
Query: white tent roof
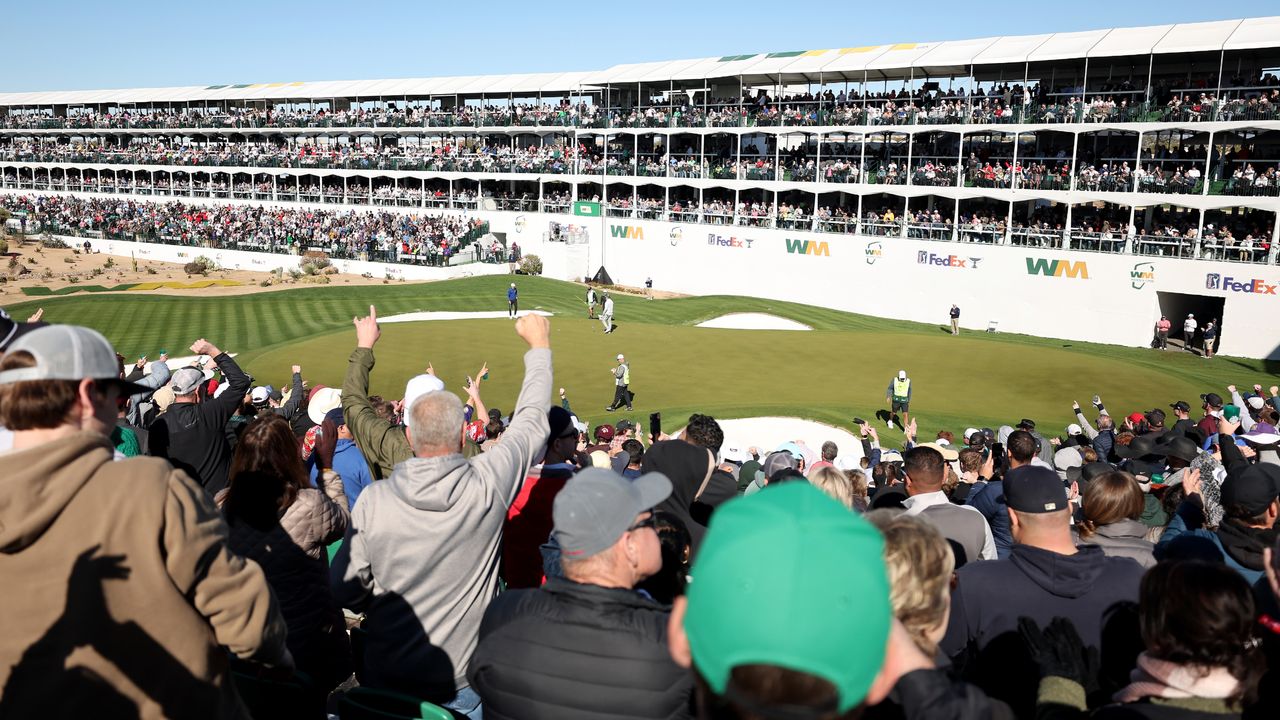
{"points": [[876, 61]]}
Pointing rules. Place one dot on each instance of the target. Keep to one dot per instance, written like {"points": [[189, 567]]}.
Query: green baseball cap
{"points": [[1232, 413], [819, 571]]}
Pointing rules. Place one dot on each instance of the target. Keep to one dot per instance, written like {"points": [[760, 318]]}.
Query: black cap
{"points": [[1026, 424], [1213, 400], [1253, 488], [624, 425], [1086, 473], [1181, 405], [560, 421], [1155, 417], [1034, 489], [989, 434]]}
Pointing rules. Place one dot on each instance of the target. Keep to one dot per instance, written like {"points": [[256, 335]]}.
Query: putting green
{"points": [[831, 374]]}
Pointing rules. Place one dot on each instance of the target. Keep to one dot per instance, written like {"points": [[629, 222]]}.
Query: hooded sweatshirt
{"points": [[1097, 593], [421, 554], [125, 592], [688, 465]]}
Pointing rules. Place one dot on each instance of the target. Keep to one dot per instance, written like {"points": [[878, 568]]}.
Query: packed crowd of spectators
{"points": [[1003, 103], [375, 235], [312, 550]]}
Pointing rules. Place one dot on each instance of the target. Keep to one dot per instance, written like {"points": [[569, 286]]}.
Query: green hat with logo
{"points": [[815, 567]]}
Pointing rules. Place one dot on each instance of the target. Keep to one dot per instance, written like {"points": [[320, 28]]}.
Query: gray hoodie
{"points": [[421, 553]]}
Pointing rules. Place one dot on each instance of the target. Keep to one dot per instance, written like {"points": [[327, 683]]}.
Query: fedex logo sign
{"points": [[955, 261], [731, 242], [1255, 286]]}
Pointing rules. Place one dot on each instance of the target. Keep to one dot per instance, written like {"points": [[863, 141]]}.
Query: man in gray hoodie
{"points": [[421, 553]]}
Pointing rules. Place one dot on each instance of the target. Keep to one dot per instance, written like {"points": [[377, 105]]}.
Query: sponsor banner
{"points": [[715, 240], [631, 232], [1248, 286], [924, 257], [1078, 270], [1142, 274], [676, 235], [808, 247], [874, 252], [586, 209]]}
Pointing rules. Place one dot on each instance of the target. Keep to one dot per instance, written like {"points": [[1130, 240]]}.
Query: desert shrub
{"points": [[531, 265]]}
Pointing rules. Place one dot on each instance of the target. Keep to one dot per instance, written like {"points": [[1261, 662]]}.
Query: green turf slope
{"points": [[833, 373]]}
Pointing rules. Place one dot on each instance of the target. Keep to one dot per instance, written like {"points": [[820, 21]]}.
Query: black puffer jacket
{"points": [[570, 652]]}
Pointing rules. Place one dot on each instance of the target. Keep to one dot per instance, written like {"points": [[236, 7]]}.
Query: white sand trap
{"points": [[422, 316], [753, 321], [767, 433]]}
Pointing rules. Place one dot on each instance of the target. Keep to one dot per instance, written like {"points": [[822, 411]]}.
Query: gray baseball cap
{"points": [[67, 352], [597, 506], [776, 461], [186, 380]]}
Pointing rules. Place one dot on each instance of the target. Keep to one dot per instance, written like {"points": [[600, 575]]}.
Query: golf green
{"points": [[833, 373]]}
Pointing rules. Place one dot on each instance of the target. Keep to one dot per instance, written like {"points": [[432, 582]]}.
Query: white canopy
{"points": [[853, 63]]}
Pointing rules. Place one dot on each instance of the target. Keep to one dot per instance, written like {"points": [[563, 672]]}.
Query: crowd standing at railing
{"points": [[375, 235]]}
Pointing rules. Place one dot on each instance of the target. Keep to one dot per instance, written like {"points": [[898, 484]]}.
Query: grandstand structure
{"points": [[1107, 176]]}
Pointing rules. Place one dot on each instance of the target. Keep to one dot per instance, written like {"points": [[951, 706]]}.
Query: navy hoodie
{"points": [[1097, 593]]}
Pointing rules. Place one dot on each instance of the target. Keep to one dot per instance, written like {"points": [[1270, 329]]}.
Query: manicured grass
{"points": [[838, 371]]}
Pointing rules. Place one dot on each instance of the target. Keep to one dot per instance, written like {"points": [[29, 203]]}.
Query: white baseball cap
{"points": [[621, 356], [902, 375], [67, 352], [418, 386], [258, 396], [1074, 429]]}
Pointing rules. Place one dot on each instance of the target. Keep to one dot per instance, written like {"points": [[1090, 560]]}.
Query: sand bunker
{"points": [[753, 321], [767, 433]]}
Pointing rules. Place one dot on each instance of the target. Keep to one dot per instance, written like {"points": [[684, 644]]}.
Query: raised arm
{"points": [[526, 438], [237, 380], [290, 408]]}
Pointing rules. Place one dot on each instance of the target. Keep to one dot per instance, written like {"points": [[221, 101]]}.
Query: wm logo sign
{"points": [[807, 247], [630, 232], [1058, 268]]}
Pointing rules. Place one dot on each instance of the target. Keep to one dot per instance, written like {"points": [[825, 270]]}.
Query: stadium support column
{"points": [[1066, 233], [1199, 236], [1275, 238], [275, 188], [1132, 230], [1137, 161], [1206, 176]]}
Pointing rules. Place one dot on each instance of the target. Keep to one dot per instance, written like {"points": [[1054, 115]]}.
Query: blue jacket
{"points": [[1187, 521], [348, 462], [511, 294], [989, 500]]}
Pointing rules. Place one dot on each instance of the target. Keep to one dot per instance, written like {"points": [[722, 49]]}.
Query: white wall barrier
{"points": [[1095, 297]]}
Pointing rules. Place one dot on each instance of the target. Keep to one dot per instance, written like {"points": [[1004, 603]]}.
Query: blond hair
{"points": [[834, 483], [920, 564]]}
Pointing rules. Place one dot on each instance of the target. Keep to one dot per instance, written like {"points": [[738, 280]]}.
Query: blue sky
{"points": [[61, 45]]}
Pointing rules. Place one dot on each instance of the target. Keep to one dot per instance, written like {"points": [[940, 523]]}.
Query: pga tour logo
{"points": [[925, 257], [1212, 281]]}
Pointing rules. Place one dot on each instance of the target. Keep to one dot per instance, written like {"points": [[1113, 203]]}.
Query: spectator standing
{"points": [[964, 527], [989, 500], [270, 505], [591, 303], [1201, 656], [955, 319], [1162, 332], [130, 598], [529, 519], [423, 619], [1189, 332], [1112, 505], [348, 462], [1251, 503], [191, 433], [587, 645], [1184, 423], [513, 301], [1046, 576], [606, 313], [1210, 335]]}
